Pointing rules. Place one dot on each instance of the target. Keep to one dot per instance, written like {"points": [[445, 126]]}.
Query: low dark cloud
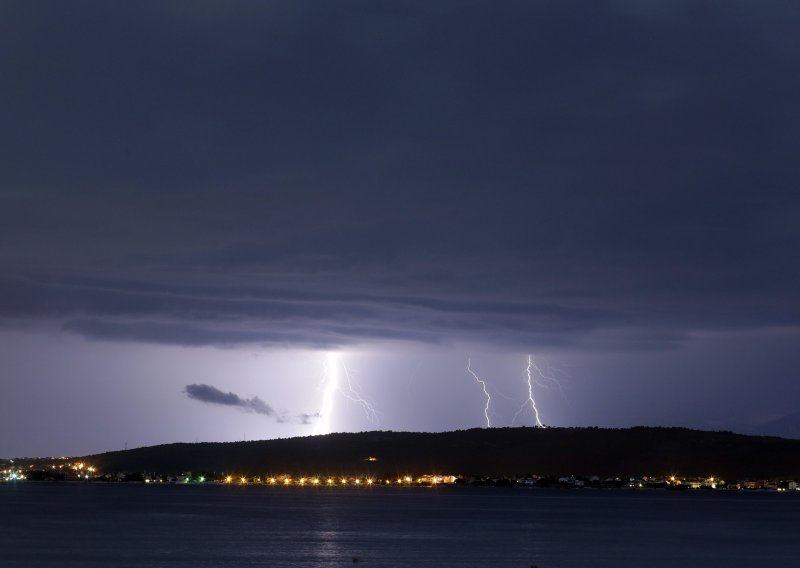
{"points": [[522, 174], [212, 395], [305, 418]]}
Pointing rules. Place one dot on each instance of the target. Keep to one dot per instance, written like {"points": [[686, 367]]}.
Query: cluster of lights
{"points": [[13, 475], [301, 481], [288, 480], [81, 470], [183, 479], [712, 482], [84, 471]]}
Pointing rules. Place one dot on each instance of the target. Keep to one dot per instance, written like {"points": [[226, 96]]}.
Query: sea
{"points": [[134, 525]]}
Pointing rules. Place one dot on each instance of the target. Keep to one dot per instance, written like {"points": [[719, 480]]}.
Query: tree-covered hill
{"points": [[496, 451]]}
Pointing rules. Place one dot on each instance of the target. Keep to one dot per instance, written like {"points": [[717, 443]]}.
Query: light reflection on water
{"points": [[125, 525]]}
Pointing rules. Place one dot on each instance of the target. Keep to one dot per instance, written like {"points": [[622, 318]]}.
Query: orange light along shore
{"points": [[285, 480], [78, 471]]}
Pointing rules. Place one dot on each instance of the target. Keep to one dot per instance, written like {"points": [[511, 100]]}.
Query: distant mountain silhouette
{"points": [[495, 451], [787, 426]]}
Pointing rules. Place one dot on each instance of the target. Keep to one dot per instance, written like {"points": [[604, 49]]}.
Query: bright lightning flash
{"points": [[485, 392], [531, 400], [330, 386]]}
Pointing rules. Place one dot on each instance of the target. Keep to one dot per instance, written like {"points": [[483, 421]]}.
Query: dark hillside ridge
{"points": [[481, 451]]}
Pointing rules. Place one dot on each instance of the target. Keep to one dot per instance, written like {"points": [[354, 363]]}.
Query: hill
{"points": [[787, 426], [496, 451]]}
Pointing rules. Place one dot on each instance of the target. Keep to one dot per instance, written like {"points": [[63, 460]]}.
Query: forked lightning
{"points": [[531, 400], [330, 385], [485, 392]]}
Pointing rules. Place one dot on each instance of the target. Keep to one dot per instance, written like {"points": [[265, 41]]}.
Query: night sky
{"points": [[206, 204]]}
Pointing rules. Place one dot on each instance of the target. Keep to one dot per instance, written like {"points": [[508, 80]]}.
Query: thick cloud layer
{"points": [[586, 175]]}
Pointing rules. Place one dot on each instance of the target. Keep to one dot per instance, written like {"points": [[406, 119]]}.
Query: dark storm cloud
{"points": [[543, 174], [212, 395]]}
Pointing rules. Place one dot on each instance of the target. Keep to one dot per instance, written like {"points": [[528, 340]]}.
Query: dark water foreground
{"points": [[95, 526]]}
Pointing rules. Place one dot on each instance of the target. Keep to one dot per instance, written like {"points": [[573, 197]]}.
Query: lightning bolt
{"points": [[549, 380], [531, 400], [485, 392], [355, 396], [330, 386]]}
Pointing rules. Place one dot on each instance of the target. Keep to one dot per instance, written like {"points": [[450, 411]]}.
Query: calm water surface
{"points": [[93, 526]]}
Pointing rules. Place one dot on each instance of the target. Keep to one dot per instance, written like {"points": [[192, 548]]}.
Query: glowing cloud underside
{"points": [[485, 392]]}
